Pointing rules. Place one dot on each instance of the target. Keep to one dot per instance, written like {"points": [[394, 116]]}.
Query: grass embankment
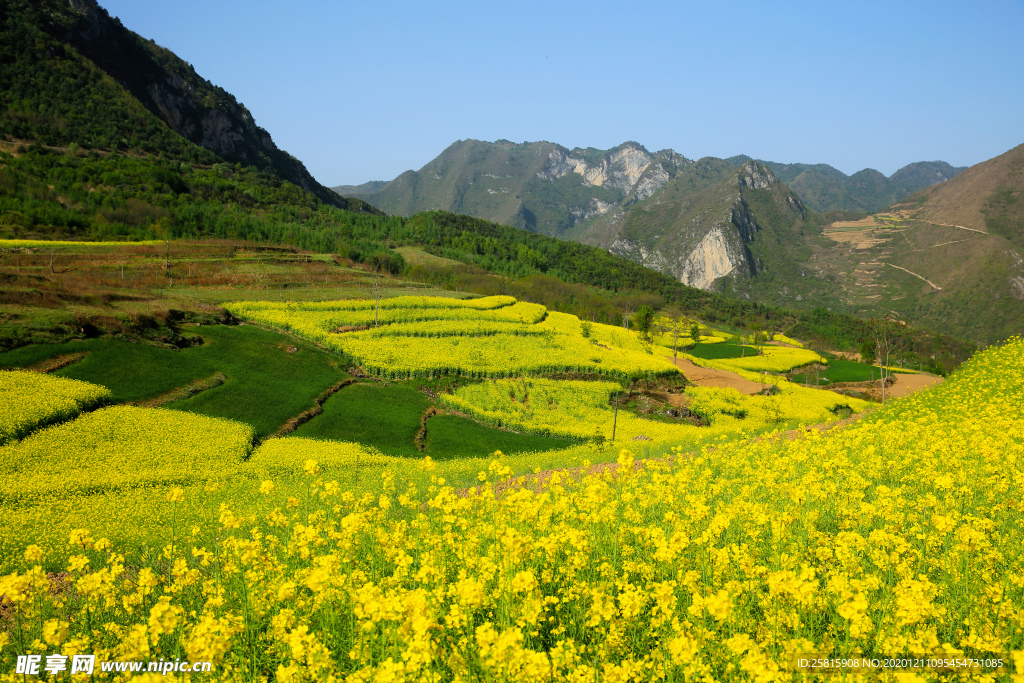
{"points": [[720, 351]]}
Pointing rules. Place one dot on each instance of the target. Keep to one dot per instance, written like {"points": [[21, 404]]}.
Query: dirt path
{"points": [[948, 225], [905, 385], [898, 385], [915, 275], [708, 377]]}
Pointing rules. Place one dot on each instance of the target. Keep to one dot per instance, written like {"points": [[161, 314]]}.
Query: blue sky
{"points": [[365, 90]]}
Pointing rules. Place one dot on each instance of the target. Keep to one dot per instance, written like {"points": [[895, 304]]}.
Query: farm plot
{"points": [[500, 338], [29, 400], [582, 410]]}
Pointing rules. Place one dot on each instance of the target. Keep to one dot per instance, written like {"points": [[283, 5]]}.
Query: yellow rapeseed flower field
{"points": [[774, 359], [31, 399], [433, 336], [103, 458], [898, 535], [583, 410]]}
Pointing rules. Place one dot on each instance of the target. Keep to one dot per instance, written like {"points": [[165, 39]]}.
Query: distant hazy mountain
{"points": [[539, 186], [824, 188]]}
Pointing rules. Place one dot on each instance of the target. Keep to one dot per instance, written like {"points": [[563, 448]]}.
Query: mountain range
{"points": [[450, 182], [794, 235]]}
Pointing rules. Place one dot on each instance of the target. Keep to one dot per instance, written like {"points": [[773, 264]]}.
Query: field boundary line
{"points": [[308, 414], [948, 225], [181, 393], [56, 363], [420, 440]]}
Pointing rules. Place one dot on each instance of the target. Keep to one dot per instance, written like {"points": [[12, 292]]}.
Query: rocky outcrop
{"points": [[653, 179], [596, 208], [621, 168], [755, 176], [1016, 286], [709, 230], [652, 258]]}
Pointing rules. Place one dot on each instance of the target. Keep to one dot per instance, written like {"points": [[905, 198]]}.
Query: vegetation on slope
{"points": [[72, 75], [93, 153], [824, 188]]}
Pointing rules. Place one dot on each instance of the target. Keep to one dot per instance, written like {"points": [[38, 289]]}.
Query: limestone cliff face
{"points": [[755, 176], [652, 180], [712, 258]]}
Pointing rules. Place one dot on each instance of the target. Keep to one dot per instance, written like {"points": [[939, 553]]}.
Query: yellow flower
{"points": [[80, 537], [176, 495], [55, 631], [78, 563]]}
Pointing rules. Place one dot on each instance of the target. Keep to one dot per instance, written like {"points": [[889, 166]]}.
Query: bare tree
{"points": [[675, 317], [615, 415], [889, 337], [627, 307], [757, 331]]}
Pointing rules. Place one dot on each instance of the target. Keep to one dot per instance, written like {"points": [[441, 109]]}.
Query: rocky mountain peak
{"points": [[755, 176], [620, 168]]}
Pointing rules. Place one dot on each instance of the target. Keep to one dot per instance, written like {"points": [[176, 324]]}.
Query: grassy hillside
{"points": [[987, 197], [98, 145], [950, 257]]}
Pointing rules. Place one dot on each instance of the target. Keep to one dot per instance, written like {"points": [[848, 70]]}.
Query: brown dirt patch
{"points": [[709, 377], [905, 385], [861, 239], [674, 400], [897, 385]]}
